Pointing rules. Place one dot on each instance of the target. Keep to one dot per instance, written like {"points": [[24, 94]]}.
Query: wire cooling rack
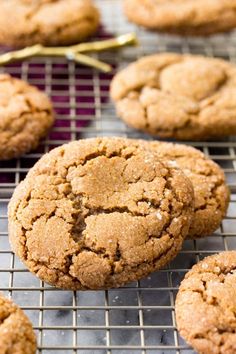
{"points": [[140, 317]]}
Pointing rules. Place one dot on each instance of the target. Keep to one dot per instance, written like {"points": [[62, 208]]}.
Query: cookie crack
{"points": [[216, 89], [137, 89], [36, 8], [120, 210], [223, 272], [104, 153], [185, 125], [211, 299], [212, 198], [89, 20], [152, 263], [20, 116], [210, 335]]}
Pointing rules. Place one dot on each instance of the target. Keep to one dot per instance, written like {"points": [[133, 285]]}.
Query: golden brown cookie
{"points": [[99, 213], [26, 116], [206, 305], [16, 332], [184, 17], [186, 97], [210, 189], [49, 22]]}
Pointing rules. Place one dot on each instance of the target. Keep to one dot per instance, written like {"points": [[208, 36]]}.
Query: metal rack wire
{"points": [[138, 318]]}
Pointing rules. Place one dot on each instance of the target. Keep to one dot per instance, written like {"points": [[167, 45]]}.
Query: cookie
{"points": [[26, 117], [183, 17], [211, 192], [16, 332], [185, 97], [99, 213], [206, 305], [48, 22]]}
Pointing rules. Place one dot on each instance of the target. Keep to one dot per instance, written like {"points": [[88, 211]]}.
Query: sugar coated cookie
{"points": [[206, 305], [48, 22], [99, 213], [186, 97], [16, 332], [211, 192], [184, 17], [26, 116]]}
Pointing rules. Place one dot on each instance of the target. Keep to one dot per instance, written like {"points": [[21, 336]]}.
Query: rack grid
{"points": [[140, 317]]}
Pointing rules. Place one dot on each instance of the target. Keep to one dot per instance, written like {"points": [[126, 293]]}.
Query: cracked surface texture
{"points": [[184, 17], [206, 305], [99, 213], [26, 115], [186, 97], [16, 332], [211, 193], [49, 22]]}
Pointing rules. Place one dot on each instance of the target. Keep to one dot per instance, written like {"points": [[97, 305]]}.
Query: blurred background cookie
{"points": [[185, 97], [16, 332], [26, 115], [184, 17], [48, 22]]}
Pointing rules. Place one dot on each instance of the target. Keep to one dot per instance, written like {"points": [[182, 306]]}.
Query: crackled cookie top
{"points": [[181, 96], [16, 332], [25, 117], [187, 17], [211, 193], [99, 213], [49, 22], [206, 305]]}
